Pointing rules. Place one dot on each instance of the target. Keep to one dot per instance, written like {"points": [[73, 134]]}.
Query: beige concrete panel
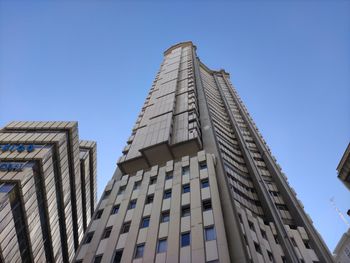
{"points": [[168, 184], [185, 224], [166, 204], [163, 230], [185, 179], [147, 210], [142, 235], [102, 246], [121, 241], [185, 255], [205, 193], [208, 218], [211, 250], [185, 199], [160, 258]]}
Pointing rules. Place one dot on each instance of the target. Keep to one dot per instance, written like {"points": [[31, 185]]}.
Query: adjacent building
{"points": [[344, 168], [47, 191], [197, 182]]}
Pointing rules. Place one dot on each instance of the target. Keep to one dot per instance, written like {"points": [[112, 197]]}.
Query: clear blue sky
{"points": [[94, 62]]}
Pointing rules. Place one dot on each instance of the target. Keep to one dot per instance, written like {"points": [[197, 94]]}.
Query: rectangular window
{"points": [[88, 237], [202, 166], [153, 180], [115, 209], [118, 256], [165, 217], [185, 239], [206, 205], [98, 214], [169, 175], [149, 199], [132, 204], [126, 227], [251, 225], [106, 194], [98, 259], [186, 188], [137, 185], [257, 248], [167, 194], [145, 222], [269, 254], [162, 245], [185, 171], [107, 232], [139, 251], [204, 183], [210, 233], [185, 211], [121, 190], [263, 234]]}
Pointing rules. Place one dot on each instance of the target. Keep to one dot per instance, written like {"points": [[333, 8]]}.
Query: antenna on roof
{"points": [[342, 217]]}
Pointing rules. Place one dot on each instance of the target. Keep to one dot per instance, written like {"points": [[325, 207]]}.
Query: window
{"points": [[307, 245], [167, 194], [139, 251], [276, 239], [282, 207], [186, 188], [257, 248], [162, 245], [185, 171], [115, 209], [185, 239], [169, 175], [165, 217], [118, 256], [88, 237], [205, 183], [149, 199], [153, 180], [263, 234], [206, 205], [98, 259], [145, 222], [106, 194], [121, 190], [269, 254], [251, 225], [126, 227], [202, 165], [98, 214], [107, 232], [137, 185], [293, 242], [185, 211], [132, 204], [210, 233]]}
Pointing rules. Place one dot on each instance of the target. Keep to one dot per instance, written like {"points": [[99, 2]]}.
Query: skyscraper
{"points": [[196, 181], [47, 191]]}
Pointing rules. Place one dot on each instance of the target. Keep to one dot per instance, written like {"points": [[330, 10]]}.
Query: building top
{"points": [[181, 44], [344, 167]]}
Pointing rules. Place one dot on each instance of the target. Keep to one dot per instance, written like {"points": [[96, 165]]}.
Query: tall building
{"points": [[344, 168], [197, 183], [47, 191]]}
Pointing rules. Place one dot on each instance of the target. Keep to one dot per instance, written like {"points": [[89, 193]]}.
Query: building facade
{"points": [[344, 168], [47, 191], [197, 183]]}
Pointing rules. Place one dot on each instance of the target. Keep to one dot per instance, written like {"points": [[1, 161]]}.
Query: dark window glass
{"points": [[98, 259], [145, 222], [137, 185], [121, 190], [185, 170], [118, 256], [210, 233], [270, 255], [186, 188], [167, 194], [165, 217], [205, 183], [149, 199], [139, 251], [185, 239], [132, 204], [257, 248], [263, 234], [185, 211], [106, 194], [88, 237], [169, 175], [251, 226], [162, 246], [107, 232], [153, 180], [126, 227], [115, 209], [98, 214], [207, 205], [202, 165]]}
